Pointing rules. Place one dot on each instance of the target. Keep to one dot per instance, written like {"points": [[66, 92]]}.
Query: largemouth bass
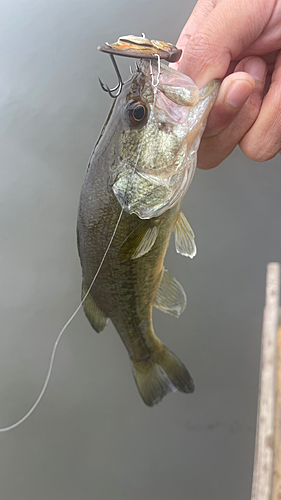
{"points": [[143, 163]]}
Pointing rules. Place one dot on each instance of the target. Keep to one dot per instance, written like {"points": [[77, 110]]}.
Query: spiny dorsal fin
{"points": [[170, 297], [139, 242], [96, 317], [184, 237]]}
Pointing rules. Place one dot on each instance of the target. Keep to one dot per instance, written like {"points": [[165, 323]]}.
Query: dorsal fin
{"points": [[184, 237], [170, 297], [140, 241]]}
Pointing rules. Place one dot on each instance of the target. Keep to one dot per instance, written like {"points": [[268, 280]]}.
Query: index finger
{"points": [[196, 19]]}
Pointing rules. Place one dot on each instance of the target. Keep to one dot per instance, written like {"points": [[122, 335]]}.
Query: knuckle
{"points": [[263, 140], [260, 152], [204, 51], [201, 48], [201, 44], [196, 54]]}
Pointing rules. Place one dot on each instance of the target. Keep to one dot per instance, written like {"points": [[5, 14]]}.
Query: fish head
{"points": [[158, 130]]}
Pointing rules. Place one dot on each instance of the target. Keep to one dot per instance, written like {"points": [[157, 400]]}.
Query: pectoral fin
{"points": [[139, 242], [96, 317], [170, 297], [184, 236]]}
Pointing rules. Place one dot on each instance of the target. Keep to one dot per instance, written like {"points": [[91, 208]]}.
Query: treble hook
{"points": [[115, 92]]}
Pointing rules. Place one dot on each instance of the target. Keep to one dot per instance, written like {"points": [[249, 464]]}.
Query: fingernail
{"points": [[238, 93], [256, 67]]}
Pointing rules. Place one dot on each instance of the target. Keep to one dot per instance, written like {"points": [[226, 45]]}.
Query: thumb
{"points": [[227, 30], [198, 16]]}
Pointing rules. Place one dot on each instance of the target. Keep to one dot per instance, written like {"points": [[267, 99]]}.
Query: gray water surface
{"points": [[92, 437]]}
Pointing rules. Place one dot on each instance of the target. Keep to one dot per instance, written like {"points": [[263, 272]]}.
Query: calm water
{"points": [[92, 437]]}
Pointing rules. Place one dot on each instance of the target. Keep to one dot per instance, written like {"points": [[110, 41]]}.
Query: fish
{"points": [[141, 166]]}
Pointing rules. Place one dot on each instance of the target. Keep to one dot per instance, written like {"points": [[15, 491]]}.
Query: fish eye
{"points": [[137, 113]]}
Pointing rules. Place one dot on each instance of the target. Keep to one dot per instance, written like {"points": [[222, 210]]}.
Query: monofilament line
{"points": [[16, 424], [10, 427]]}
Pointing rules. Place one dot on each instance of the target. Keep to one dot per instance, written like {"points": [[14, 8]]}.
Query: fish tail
{"points": [[161, 373]]}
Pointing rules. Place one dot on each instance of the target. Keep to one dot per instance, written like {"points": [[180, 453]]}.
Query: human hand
{"points": [[226, 39]]}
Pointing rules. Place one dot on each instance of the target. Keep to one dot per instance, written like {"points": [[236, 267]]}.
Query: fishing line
{"points": [[45, 385], [5, 429]]}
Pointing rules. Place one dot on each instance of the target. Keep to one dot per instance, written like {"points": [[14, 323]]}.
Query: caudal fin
{"points": [[162, 373]]}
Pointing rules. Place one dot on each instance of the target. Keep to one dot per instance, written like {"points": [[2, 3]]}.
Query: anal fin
{"points": [[140, 241], [96, 317], [184, 237], [170, 297]]}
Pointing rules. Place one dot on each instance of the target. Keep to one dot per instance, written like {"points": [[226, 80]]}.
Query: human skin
{"points": [[238, 41]]}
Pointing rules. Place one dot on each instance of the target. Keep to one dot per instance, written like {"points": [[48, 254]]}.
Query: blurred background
{"points": [[92, 436]]}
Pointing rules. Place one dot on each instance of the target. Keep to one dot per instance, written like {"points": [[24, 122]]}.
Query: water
{"points": [[92, 436]]}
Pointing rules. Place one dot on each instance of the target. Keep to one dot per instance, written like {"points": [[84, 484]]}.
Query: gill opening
{"points": [[49, 372]]}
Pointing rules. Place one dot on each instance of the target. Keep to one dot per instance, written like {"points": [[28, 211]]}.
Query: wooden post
{"points": [[267, 463], [276, 479]]}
